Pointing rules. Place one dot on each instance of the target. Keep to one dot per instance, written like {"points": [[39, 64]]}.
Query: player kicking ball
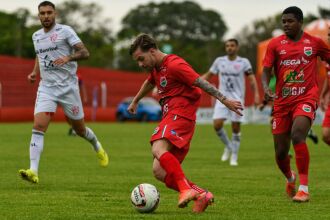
{"points": [[179, 88], [57, 48]]}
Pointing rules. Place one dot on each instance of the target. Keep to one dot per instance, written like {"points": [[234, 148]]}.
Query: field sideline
{"points": [[73, 186]]}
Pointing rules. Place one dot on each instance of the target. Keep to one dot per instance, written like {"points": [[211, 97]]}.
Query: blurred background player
{"points": [[84, 99], [231, 70], [57, 48], [179, 89], [325, 104], [294, 58]]}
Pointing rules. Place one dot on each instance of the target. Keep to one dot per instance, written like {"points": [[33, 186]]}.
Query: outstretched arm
{"points": [[210, 89], [144, 90]]}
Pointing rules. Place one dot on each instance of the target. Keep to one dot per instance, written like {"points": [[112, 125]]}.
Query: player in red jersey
{"points": [[294, 58], [179, 91], [325, 105]]}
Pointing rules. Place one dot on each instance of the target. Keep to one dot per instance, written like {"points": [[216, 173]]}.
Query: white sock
{"points": [[36, 148], [91, 137], [303, 188], [222, 134], [236, 142]]}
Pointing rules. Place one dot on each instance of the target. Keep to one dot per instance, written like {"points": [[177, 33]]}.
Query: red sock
{"points": [[170, 183], [284, 166], [302, 162], [173, 168]]}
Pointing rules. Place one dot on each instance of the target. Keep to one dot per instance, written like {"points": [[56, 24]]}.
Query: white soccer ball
{"points": [[145, 198]]}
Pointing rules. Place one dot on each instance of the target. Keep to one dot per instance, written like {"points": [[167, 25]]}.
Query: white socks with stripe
{"points": [[36, 148]]}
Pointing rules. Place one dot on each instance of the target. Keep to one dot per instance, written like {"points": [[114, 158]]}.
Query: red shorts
{"points": [[178, 131], [283, 116], [326, 120]]}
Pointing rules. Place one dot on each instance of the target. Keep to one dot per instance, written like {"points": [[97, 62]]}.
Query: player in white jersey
{"points": [[57, 48], [231, 70]]}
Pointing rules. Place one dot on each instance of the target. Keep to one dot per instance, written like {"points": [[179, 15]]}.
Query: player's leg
{"points": [[72, 106], [311, 135], [301, 126], [326, 135], [88, 134], [45, 107], [282, 146], [71, 132], [236, 142], [219, 116]]}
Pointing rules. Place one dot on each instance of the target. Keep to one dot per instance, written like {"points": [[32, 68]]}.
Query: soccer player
{"points": [[325, 105], [231, 70], [57, 48], [294, 58], [179, 90]]}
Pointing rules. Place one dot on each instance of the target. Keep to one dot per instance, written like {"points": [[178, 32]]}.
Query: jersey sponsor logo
{"points": [[292, 76], [290, 62], [292, 91], [306, 108], [308, 51], [46, 50], [163, 81]]}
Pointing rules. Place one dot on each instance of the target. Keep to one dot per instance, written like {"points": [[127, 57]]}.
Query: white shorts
{"points": [[222, 112], [68, 97]]}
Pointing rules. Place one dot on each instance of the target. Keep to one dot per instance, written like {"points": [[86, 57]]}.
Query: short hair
{"points": [[297, 12], [46, 3], [232, 40], [144, 42]]}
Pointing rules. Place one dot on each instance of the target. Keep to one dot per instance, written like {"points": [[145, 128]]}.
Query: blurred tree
{"points": [[93, 30], [192, 32]]}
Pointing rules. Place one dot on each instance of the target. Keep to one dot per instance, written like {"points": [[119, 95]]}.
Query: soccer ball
{"points": [[145, 198]]}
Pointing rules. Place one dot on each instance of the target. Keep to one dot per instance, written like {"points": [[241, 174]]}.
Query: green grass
{"points": [[73, 186]]}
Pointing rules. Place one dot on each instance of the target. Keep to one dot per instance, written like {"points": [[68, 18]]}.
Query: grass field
{"points": [[73, 186]]}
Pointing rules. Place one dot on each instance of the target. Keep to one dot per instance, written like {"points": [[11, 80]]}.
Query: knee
{"points": [[39, 127], [217, 126], [297, 137], [281, 154], [81, 131]]}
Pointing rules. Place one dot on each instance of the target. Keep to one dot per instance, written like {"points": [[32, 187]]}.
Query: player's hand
{"points": [[132, 108], [32, 77], [262, 105], [61, 61], [233, 105], [269, 95]]}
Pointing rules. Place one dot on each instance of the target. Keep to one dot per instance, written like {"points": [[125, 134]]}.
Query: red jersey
{"points": [[174, 80], [295, 65]]}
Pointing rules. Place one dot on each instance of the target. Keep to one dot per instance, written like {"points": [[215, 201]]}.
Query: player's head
{"points": [[47, 14], [144, 50], [231, 46], [292, 20]]}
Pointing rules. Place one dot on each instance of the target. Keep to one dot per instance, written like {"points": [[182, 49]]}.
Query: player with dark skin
{"points": [[294, 56]]}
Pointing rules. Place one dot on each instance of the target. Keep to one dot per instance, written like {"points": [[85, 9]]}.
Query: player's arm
{"points": [[233, 105], [207, 75], [80, 53], [324, 91], [144, 90], [32, 77], [254, 86], [266, 74]]}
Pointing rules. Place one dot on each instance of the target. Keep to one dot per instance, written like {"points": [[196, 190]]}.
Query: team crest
{"points": [[308, 51], [53, 37], [163, 81], [307, 108]]}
